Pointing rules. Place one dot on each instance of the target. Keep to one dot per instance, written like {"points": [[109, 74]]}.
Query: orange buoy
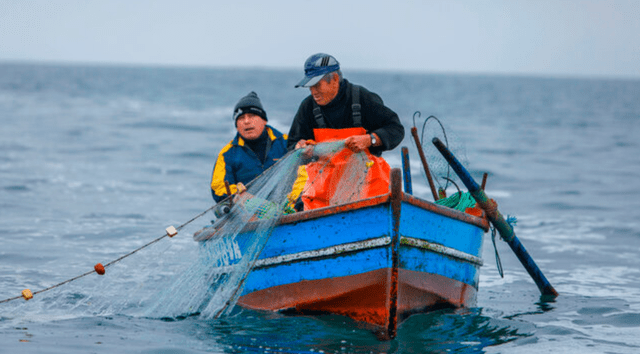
{"points": [[475, 212], [99, 268], [26, 294]]}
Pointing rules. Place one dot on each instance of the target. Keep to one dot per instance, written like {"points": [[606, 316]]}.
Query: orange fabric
{"points": [[325, 135], [324, 175]]}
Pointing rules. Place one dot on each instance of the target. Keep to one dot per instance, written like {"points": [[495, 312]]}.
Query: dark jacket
{"points": [[238, 163], [376, 118]]}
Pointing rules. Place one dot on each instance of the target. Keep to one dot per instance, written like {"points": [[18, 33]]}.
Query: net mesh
{"points": [[179, 279], [212, 285], [173, 280], [444, 178]]}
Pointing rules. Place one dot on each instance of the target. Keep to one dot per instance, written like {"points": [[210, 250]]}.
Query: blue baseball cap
{"points": [[316, 67]]}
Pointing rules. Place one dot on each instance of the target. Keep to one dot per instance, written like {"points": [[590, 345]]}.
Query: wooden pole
{"points": [[498, 221], [414, 132], [406, 171]]}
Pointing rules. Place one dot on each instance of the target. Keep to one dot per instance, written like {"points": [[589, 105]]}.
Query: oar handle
{"points": [[498, 221]]}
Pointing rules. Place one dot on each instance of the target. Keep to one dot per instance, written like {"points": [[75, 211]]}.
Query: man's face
{"points": [[324, 92], [250, 126]]}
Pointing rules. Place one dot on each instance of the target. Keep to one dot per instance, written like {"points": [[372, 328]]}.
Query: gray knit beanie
{"points": [[249, 104]]}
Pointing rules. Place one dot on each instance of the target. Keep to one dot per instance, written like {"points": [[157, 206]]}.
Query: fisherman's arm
{"points": [[222, 172], [301, 128], [385, 124]]}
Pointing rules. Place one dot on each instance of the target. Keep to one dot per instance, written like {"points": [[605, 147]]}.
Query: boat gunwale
{"points": [[309, 215], [480, 222]]}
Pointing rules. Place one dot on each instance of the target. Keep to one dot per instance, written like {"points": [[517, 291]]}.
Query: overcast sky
{"points": [[539, 37]]}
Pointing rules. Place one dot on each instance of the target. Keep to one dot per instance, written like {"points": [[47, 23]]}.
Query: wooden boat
{"points": [[377, 260]]}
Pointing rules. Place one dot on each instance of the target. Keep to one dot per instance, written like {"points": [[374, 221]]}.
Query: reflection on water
{"points": [[444, 331]]}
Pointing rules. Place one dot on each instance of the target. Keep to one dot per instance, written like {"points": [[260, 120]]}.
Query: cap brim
{"points": [[309, 81]]}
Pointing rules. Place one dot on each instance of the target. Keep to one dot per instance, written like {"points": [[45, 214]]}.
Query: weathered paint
{"points": [[440, 229], [406, 171], [440, 249], [363, 296], [344, 260], [396, 208], [320, 253], [338, 265]]}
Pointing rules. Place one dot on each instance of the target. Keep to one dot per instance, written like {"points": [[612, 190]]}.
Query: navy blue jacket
{"points": [[376, 118], [238, 163]]}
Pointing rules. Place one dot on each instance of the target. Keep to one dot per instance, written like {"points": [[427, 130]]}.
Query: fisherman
{"points": [[255, 148], [338, 109]]}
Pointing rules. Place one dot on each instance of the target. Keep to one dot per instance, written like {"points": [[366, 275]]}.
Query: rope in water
{"points": [[264, 209], [100, 269]]}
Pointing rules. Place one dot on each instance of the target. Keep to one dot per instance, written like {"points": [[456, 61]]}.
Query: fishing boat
{"points": [[376, 260]]}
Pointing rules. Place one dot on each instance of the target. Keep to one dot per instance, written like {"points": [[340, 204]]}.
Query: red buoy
{"points": [[99, 268]]}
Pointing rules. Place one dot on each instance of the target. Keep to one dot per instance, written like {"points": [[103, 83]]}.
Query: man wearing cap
{"points": [[334, 104], [340, 110], [256, 147]]}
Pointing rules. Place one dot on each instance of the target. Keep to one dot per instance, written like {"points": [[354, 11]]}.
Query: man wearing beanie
{"points": [[256, 147]]}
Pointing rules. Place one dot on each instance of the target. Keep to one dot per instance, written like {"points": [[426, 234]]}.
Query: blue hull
{"points": [[376, 260]]}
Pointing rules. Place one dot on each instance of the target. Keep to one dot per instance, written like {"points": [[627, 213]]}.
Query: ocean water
{"points": [[97, 161]]}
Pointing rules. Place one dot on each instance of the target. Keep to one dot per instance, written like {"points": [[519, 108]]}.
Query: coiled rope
{"points": [[459, 201]]}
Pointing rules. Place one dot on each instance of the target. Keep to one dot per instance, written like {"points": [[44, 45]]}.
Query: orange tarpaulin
{"points": [[325, 175]]}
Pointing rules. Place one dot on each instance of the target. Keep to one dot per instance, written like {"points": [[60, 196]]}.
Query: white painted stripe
{"points": [[329, 251], [368, 244], [438, 248]]}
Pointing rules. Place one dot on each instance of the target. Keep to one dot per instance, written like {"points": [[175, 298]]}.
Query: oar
{"points": [[498, 221], [425, 165]]}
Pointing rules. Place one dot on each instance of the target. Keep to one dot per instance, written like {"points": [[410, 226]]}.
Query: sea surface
{"points": [[96, 161]]}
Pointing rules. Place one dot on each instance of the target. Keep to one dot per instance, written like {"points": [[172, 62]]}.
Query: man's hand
{"points": [[304, 143], [308, 148], [358, 143], [241, 195]]}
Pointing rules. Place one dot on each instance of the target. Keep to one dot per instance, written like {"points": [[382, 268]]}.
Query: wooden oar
{"points": [[498, 221], [425, 165]]}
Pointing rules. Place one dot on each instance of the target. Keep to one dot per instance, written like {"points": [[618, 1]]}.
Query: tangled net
{"points": [[444, 178], [213, 283]]}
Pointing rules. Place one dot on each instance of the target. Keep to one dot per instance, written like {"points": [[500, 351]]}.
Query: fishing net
{"points": [[172, 280], [213, 283], [178, 279], [444, 178], [209, 279]]}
